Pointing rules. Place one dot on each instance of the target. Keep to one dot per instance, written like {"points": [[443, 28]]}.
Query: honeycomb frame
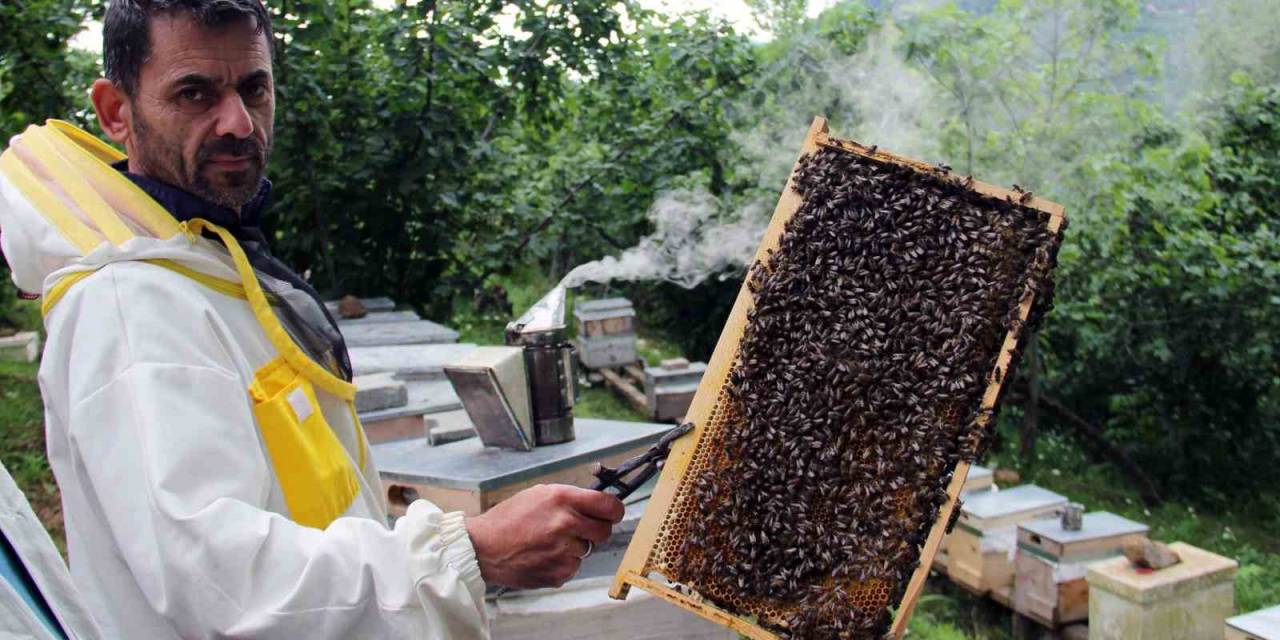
{"points": [[657, 537]]}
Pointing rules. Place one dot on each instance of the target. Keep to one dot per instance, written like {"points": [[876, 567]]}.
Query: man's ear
{"points": [[114, 111]]}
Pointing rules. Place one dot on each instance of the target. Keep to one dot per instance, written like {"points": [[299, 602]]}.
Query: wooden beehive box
{"points": [[669, 388], [1051, 564], [983, 542], [980, 480], [606, 332], [654, 558], [1259, 625]]}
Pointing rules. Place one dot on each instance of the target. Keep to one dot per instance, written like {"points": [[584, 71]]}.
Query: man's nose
{"points": [[233, 118]]}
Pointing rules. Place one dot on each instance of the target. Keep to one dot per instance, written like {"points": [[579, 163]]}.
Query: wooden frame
{"points": [[636, 563]]}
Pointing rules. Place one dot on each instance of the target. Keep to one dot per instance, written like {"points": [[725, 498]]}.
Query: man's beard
{"points": [[166, 162]]}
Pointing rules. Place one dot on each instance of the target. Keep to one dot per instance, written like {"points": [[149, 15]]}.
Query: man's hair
{"points": [[126, 30]]}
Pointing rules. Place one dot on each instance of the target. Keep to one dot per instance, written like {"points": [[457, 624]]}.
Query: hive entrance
{"points": [[856, 373]]}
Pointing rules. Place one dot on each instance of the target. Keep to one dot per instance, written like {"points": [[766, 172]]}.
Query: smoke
{"points": [[874, 94], [690, 243]]}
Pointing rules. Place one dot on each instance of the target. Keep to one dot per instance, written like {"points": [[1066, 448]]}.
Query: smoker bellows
{"points": [[855, 381]]}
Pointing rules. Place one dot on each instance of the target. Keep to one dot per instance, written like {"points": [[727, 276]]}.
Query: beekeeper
{"points": [[215, 479]]}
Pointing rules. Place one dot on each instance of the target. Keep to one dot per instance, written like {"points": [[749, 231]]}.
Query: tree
{"points": [[1167, 318], [39, 78]]}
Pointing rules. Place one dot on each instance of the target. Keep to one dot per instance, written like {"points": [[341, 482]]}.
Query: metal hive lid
{"points": [[1101, 524], [603, 308], [1027, 497]]}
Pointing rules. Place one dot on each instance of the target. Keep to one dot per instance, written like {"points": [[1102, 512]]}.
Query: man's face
{"points": [[203, 109]]}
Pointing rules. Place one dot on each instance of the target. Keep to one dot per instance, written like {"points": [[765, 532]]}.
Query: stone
{"points": [[1149, 554], [22, 346], [380, 391], [379, 334], [8, 332], [1006, 477], [351, 307], [372, 305]]}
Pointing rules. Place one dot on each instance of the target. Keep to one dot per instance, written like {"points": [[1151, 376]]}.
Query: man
{"points": [[198, 408]]}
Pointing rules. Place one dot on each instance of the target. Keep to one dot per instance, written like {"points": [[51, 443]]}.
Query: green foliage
{"points": [[39, 78], [1167, 318], [22, 443], [479, 142]]}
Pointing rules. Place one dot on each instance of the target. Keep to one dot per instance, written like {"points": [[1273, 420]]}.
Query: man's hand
{"points": [[536, 538]]}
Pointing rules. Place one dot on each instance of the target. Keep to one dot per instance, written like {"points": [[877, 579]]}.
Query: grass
{"points": [[22, 449]]}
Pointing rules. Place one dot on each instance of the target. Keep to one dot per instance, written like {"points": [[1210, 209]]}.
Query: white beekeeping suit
{"points": [[33, 548], [216, 482]]}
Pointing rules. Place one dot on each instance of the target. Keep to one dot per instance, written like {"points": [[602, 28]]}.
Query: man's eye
{"points": [[192, 94], [256, 92]]}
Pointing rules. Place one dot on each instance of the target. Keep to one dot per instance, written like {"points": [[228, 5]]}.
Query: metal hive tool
{"points": [[854, 382]]}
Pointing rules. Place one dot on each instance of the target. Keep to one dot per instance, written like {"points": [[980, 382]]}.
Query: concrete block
{"points": [[379, 391], [449, 426], [1188, 601], [378, 334], [23, 347], [394, 428], [379, 317], [408, 362]]}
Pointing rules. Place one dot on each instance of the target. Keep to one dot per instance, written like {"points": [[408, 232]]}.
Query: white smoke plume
{"points": [[690, 243], [873, 95]]}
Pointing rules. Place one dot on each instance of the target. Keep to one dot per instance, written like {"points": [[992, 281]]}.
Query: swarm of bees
{"points": [[856, 390]]}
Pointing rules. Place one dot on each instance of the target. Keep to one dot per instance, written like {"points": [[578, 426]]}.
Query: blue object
{"points": [[15, 573]]}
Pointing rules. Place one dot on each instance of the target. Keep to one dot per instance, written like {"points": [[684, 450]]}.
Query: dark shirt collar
{"points": [[184, 206]]}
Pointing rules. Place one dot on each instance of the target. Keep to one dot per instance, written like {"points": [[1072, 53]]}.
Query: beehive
{"points": [[980, 480], [858, 453], [606, 332], [1259, 625], [981, 547], [1187, 601], [1051, 564]]}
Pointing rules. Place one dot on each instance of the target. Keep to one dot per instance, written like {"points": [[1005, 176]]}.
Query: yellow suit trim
{"points": [[276, 333], [60, 289], [76, 232], [40, 142], [94, 159], [225, 287]]}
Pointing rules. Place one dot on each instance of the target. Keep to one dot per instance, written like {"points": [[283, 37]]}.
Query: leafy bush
{"points": [[1168, 321]]}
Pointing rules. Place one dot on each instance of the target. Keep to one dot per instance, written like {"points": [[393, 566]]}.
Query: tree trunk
{"points": [[1031, 408]]}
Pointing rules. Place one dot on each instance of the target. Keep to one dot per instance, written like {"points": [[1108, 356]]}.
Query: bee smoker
{"points": [[551, 362]]}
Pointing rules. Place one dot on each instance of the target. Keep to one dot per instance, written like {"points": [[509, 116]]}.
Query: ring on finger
{"points": [[591, 546]]}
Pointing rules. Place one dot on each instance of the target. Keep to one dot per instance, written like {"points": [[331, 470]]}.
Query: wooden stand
{"points": [[637, 564]]}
